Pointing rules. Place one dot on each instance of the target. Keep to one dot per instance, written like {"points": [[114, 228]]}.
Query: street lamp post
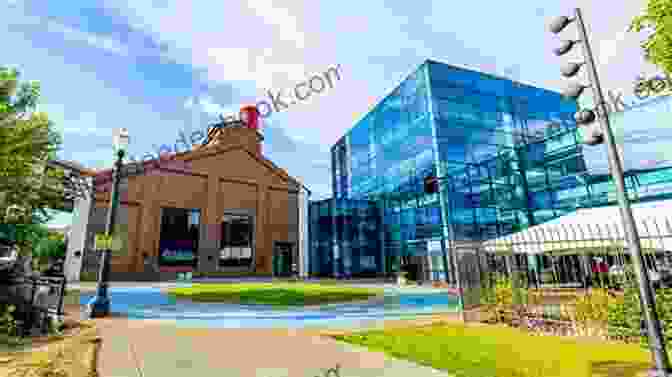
{"points": [[99, 306], [598, 133]]}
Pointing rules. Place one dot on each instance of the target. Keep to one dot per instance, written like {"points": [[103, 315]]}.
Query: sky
{"points": [[160, 67]]}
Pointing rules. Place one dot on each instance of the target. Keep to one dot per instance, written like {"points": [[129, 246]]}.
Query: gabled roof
{"points": [[103, 176], [259, 158]]}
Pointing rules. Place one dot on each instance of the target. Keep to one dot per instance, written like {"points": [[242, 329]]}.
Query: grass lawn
{"points": [[496, 351], [277, 294]]}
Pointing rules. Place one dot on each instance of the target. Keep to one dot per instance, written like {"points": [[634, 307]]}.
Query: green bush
{"points": [[592, 307], [503, 296], [625, 314], [27, 236], [488, 295], [52, 247], [88, 276], [664, 309], [7, 321]]}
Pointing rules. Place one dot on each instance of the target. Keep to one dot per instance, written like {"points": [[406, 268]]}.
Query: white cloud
{"points": [[280, 17], [610, 48], [189, 103], [239, 48], [260, 67], [88, 131], [210, 107], [94, 40]]}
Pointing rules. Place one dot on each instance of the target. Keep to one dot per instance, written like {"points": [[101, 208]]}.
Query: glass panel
{"points": [[236, 243], [178, 245]]}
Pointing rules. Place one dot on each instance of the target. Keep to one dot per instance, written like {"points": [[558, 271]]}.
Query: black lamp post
{"points": [[99, 306]]}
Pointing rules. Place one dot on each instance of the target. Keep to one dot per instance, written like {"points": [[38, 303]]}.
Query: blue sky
{"points": [[140, 64]]}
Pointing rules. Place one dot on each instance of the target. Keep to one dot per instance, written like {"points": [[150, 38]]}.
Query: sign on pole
{"points": [[105, 242]]}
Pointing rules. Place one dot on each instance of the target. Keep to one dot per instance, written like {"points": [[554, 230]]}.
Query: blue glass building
{"points": [[507, 156]]}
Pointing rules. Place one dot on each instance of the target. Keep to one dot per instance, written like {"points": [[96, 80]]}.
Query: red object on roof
{"points": [[250, 116]]}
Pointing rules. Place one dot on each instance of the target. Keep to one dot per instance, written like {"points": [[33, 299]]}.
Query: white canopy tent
{"points": [[591, 230]]}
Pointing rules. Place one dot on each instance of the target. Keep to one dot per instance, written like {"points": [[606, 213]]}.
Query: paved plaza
{"points": [[155, 347]]}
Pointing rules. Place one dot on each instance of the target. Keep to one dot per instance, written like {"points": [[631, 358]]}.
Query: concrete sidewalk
{"points": [[91, 286], [136, 348]]}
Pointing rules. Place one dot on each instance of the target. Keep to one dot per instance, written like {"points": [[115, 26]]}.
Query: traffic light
{"points": [[431, 184]]}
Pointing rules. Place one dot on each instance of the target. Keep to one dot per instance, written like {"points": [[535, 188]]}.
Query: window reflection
{"points": [[236, 244], [178, 245]]}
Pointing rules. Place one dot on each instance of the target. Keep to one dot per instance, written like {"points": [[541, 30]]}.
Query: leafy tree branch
{"points": [[656, 21]]}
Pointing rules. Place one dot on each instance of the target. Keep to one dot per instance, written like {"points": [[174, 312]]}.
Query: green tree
{"points": [[26, 236], [50, 247], [27, 141], [656, 20]]}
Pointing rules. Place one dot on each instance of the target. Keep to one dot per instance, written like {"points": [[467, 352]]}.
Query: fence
{"points": [[38, 299], [573, 277]]}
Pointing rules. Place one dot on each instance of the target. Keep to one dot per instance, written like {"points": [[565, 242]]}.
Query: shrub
{"points": [[7, 322], [593, 306], [488, 295], [49, 248], [591, 312], [664, 309], [625, 314], [505, 297], [88, 276], [503, 300]]}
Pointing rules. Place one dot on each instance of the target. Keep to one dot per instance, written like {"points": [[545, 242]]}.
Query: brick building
{"points": [[220, 207]]}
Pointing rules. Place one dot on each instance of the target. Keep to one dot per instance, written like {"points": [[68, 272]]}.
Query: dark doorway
{"points": [[283, 258]]}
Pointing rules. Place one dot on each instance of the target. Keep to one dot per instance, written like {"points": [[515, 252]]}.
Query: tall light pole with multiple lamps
{"points": [[598, 133], [99, 306]]}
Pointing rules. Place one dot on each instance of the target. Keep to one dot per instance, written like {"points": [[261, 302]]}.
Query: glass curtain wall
{"points": [[504, 147], [384, 159], [507, 155], [344, 236], [321, 234]]}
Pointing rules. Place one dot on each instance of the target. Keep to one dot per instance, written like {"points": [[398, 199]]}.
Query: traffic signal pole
{"points": [[656, 340]]}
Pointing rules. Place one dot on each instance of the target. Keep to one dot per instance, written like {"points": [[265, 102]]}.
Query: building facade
{"points": [[220, 208], [345, 238], [506, 156]]}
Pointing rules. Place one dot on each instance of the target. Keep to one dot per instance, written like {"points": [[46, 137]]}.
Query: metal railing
{"points": [[40, 301], [546, 278]]}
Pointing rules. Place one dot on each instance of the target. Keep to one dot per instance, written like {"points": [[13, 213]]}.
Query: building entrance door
{"points": [[282, 259]]}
